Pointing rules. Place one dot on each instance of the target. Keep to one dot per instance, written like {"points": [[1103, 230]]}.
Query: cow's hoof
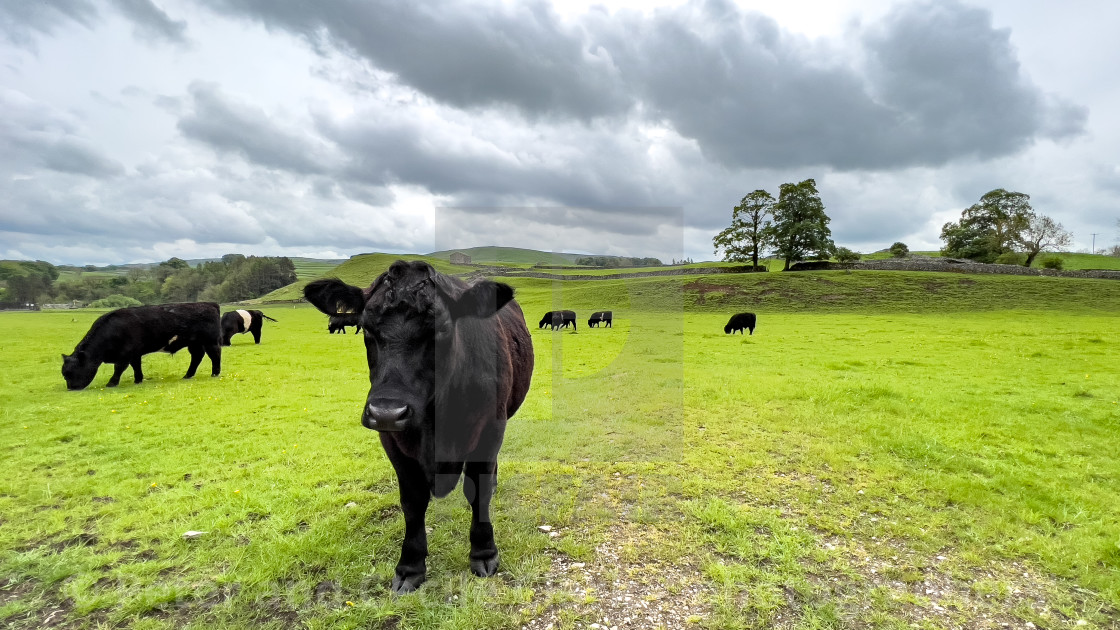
{"points": [[111, 384], [486, 567], [405, 585]]}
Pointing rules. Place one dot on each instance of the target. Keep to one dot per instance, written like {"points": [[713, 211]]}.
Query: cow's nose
{"points": [[386, 415]]}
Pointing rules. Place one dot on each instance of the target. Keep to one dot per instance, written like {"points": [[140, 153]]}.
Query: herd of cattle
{"points": [[449, 364]]}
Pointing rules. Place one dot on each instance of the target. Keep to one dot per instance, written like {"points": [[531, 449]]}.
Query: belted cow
{"points": [[449, 363], [558, 319], [601, 317], [241, 321], [123, 336]]}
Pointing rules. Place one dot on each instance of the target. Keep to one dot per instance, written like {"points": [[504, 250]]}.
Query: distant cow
{"points": [[601, 317], [558, 319], [338, 323], [236, 322], [739, 322], [122, 336], [449, 363]]}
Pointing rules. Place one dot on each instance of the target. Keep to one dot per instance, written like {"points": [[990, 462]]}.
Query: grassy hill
{"points": [[1072, 261], [311, 268], [360, 270], [510, 255], [868, 292]]}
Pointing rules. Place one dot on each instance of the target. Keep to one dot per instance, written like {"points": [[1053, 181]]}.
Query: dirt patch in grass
{"points": [[619, 588]]}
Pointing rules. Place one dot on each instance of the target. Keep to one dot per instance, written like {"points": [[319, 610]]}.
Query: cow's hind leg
{"points": [[118, 369], [196, 358], [215, 354], [137, 371], [256, 330], [478, 486]]}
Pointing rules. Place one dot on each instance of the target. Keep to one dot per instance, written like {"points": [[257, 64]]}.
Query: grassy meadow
{"points": [[888, 450]]}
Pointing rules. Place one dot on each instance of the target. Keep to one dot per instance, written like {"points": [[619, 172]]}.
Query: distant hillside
{"points": [[510, 255], [311, 268], [361, 270]]}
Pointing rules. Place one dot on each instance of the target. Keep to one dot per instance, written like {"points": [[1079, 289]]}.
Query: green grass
{"points": [[1085, 261], [827, 472], [1071, 261]]}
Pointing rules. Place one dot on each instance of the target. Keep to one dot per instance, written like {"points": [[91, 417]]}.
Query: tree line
{"points": [[614, 262], [235, 277], [1001, 228]]}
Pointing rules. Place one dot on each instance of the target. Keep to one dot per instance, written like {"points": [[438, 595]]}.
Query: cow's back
{"points": [[130, 332]]}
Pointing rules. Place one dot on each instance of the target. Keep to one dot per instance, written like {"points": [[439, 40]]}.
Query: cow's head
{"points": [[407, 315], [79, 369]]}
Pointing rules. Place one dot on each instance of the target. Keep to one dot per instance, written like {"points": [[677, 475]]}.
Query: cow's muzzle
{"points": [[386, 415]]}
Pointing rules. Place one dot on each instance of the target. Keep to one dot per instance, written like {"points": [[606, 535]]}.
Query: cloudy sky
{"points": [[136, 130]]}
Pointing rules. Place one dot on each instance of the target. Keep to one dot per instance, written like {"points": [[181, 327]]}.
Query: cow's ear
{"points": [[334, 297], [482, 299]]}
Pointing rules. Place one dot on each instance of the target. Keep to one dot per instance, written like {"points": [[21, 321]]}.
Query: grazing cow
{"points": [[237, 322], [449, 363], [739, 322], [547, 319], [558, 319], [601, 317], [338, 323], [122, 336]]}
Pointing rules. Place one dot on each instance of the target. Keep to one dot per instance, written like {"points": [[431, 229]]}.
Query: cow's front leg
{"points": [[137, 371], [118, 369], [412, 568], [196, 358], [479, 480]]}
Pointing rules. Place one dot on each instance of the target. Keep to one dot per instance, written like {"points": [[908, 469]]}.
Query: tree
{"points": [[899, 250], [989, 228], [747, 235], [800, 226], [27, 288], [1041, 234], [845, 255]]}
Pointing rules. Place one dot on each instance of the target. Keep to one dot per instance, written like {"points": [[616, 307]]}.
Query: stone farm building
{"points": [[459, 258]]}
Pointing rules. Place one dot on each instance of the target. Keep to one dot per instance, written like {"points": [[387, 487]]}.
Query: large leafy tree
{"points": [[1042, 234], [800, 227], [747, 235], [988, 228]]}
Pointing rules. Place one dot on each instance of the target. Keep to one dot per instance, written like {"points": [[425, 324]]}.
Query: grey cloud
{"points": [[959, 84], [467, 55], [152, 23], [229, 126], [21, 20], [68, 155], [940, 83], [36, 135], [498, 162]]}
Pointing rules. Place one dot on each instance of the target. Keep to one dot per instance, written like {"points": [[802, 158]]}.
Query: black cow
{"points": [[338, 323], [122, 336], [237, 322], [739, 322], [558, 319], [601, 317], [449, 363], [546, 320]]}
